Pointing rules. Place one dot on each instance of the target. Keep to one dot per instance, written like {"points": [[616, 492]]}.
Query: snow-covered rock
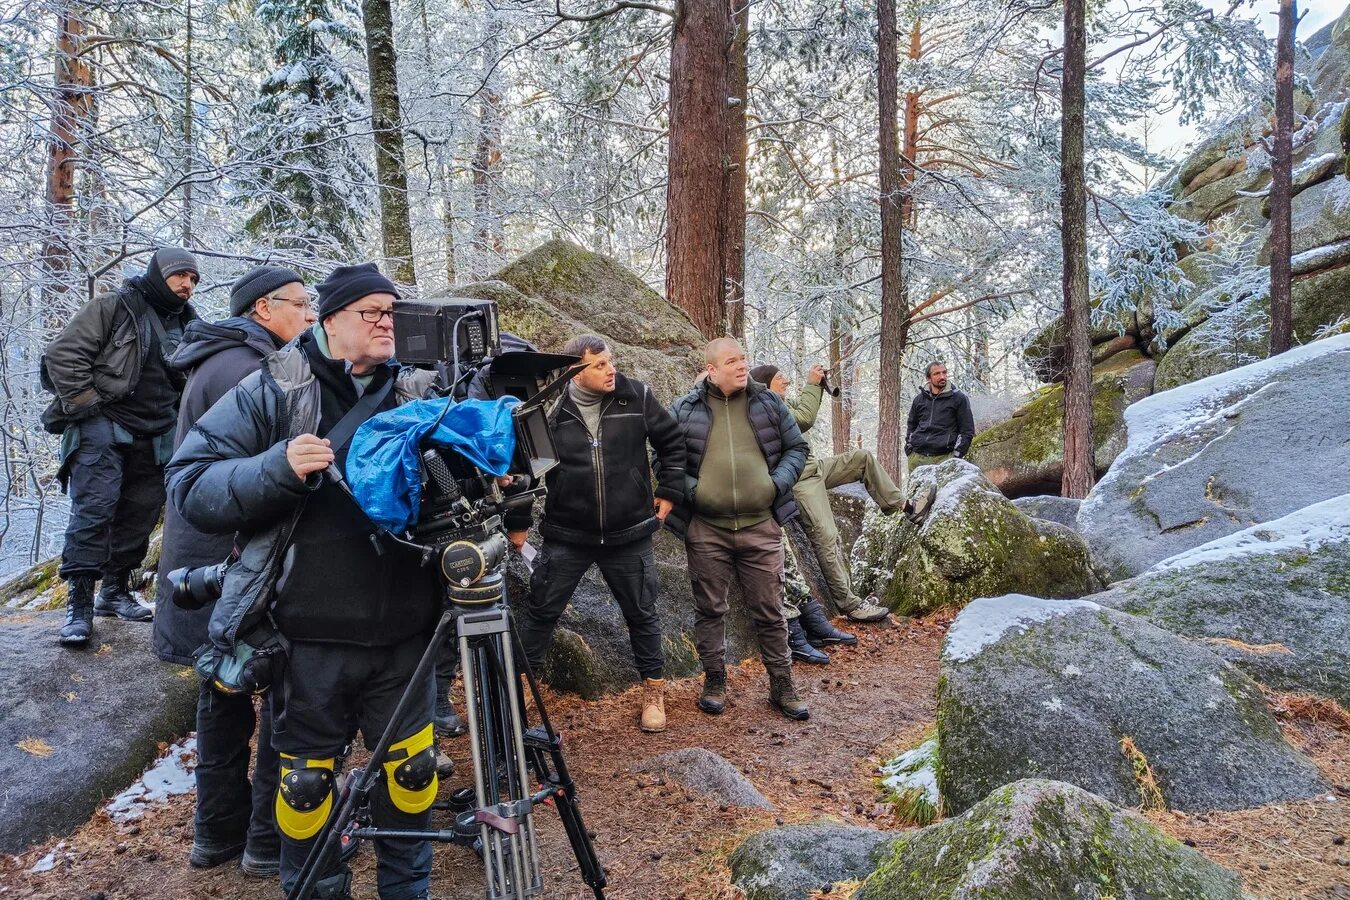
{"points": [[1035, 688], [1273, 599], [1210, 458]]}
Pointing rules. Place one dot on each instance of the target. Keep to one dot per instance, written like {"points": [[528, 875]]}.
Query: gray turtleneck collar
{"points": [[588, 404]]}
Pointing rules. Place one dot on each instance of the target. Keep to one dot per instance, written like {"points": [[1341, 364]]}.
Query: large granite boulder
{"points": [[77, 726], [559, 290], [1046, 840], [971, 542], [1025, 454], [795, 861], [1273, 599], [1063, 510], [1210, 458], [1070, 690]]}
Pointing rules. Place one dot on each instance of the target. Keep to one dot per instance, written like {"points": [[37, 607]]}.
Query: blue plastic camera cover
{"points": [[382, 464]]}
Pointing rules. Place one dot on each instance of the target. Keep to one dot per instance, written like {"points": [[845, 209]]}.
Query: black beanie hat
{"points": [[347, 284], [257, 283], [764, 374]]}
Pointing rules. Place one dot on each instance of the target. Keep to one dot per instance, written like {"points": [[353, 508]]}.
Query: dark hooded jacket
{"points": [[214, 358], [776, 433], [939, 424]]}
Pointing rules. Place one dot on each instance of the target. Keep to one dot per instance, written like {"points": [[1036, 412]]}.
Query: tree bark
{"points": [[733, 198], [387, 121], [70, 110], [695, 231], [444, 180], [1281, 181], [489, 230], [1079, 471], [188, 114], [894, 310]]}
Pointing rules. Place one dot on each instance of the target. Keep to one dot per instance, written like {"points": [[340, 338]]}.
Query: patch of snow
{"points": [[1071, 671], [914, 770], [1053, 704], [985, 620], [1323, 257], [168, 776], [48, 862], [1310, 528]]}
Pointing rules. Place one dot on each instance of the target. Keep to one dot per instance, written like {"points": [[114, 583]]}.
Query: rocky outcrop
{"points": [[77, 726], [1035, 840], [1063, 510], [793, 862], [1025, 454], [1070, 690], [1273, 599], [559, 290], [1210, 458], [704, 772], [970, 542]]}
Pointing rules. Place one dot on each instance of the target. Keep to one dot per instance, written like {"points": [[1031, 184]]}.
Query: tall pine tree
{"points": [[309, 186]]}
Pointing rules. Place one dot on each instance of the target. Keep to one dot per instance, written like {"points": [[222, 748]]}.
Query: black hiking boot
{"points": [[207, 854], [79, 612], [800, 645], [446, 718], [783, 695], [713, 699], [115, 599], [819, 630]]}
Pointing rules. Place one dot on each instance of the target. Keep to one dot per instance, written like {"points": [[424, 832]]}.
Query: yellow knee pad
{"points": [[304, 796], [410, 772]]}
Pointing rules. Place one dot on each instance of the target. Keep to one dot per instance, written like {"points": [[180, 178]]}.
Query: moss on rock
{"points": [[1033, 840]]}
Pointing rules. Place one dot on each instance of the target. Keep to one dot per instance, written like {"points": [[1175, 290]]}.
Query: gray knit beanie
{"points": [[257, 283], [172, 260]]}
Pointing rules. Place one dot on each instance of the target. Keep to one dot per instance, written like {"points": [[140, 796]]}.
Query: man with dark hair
{"points": [[115, 408], [269, 307], [940, 421], [745, 453], [812, 628], [355, 613], [601, 510]]}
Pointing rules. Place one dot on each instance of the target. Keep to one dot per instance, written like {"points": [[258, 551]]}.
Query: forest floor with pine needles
{"points": [[658, 840]]}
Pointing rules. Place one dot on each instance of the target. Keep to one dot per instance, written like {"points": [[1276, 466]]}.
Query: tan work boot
{"points": [[868, 611], [783, 694], [654, 705]]}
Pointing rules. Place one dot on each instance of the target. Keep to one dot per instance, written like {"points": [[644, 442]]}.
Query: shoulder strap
{"points": [[342, 432]]}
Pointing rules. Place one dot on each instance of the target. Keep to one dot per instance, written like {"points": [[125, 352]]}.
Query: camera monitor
{"points": [[457, 331], [534, 379]]}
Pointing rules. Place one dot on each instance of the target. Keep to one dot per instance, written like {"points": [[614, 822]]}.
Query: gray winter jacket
{"points": [[231, 475]]}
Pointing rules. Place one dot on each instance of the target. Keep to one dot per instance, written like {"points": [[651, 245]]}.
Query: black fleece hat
{"points": [[256, 283], [764, 374], [347, 284]]}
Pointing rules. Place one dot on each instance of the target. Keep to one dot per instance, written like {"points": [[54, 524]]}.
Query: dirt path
{"points": [[660, 841]]}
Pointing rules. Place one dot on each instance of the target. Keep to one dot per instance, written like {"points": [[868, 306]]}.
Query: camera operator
{"points": [[268, 308], [356, 615], [812, 493], [600, 510]]}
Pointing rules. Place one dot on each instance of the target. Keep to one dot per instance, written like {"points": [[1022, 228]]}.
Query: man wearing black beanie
{"points": [[270, 307], [115, 408]]}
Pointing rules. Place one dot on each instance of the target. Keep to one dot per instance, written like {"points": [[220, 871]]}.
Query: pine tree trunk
{"points": [[1281, 178], [387, 120], [189, 156], [894, 312], [1079, 471], [489, 231], [841, 407], [694, 188], [733, 209], [70, 110], [444, 181]]}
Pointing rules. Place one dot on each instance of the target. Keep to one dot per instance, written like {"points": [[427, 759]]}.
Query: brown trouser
{"points": [[755, 556]]}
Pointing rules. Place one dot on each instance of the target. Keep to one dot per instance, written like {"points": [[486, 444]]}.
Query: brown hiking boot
{"points": [[868, 611], [653, 705], [783, 695], [714, 697]]}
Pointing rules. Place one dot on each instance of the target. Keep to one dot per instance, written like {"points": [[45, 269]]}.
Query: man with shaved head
{"points": [[744, 454]]}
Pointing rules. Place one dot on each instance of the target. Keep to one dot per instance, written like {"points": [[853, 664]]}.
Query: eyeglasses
{"points": [[302, 305], [373, 316]]}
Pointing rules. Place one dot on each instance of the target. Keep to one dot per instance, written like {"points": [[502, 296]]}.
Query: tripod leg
{"points": [[529, 847], [474, 708]]}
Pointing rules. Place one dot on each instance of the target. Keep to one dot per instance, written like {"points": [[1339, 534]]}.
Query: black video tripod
{"points": [[504, 749]]}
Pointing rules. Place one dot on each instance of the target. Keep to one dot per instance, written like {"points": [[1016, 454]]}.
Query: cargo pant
{"points": [[813, 499], [753, 555]]}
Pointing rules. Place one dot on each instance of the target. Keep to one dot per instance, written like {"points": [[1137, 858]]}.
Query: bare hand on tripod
{"points": [[307, 454]]}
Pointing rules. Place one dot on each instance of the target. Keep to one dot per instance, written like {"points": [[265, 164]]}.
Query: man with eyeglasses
{"points": [[356, 613], [269, 308], [115, 408]]}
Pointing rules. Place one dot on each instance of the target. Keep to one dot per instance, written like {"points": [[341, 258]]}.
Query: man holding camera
{"points": [[940, 423], [744, 453], [600, 510], [269, 307], [355, 614], [115, 408], [813, 498]]}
